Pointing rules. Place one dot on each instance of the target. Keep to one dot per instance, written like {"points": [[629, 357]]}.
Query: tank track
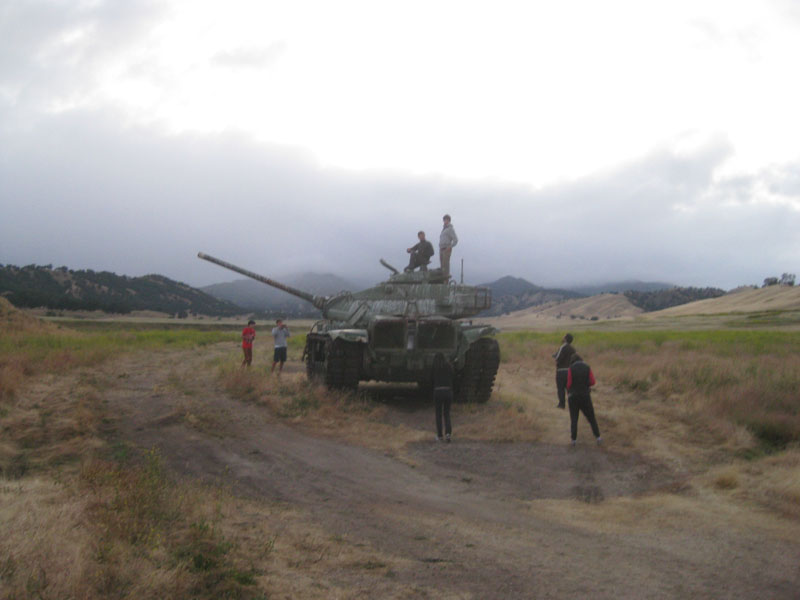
{"points": [[476, 379], [342, 362], [342, 365]]}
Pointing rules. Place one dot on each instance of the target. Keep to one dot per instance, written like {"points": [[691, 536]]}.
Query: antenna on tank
{"points": [[462, 270]]}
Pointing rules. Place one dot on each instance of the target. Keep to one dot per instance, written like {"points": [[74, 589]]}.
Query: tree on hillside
{"points": [[770, 281], [787, 279], [37, 286], [658, 300]]}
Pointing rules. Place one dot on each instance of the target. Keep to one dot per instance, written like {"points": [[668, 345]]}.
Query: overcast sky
{"points": [[572, 142]]}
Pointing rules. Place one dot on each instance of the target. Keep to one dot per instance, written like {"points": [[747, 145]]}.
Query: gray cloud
{"points": [[51, 50], [784, 180], [80, 190], [251, 57]]}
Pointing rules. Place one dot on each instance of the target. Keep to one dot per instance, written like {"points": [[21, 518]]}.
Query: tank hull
{"points": [[402, 350]]}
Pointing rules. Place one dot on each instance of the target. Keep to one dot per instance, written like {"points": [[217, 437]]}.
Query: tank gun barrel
{"points": [[318, 301]]}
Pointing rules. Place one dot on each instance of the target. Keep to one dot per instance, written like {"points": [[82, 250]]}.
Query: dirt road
{"points": [[471, 519]]}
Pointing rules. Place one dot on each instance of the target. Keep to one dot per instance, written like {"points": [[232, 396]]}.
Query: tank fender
{"points": [[473, 333], [469, 335], [349, 335]]}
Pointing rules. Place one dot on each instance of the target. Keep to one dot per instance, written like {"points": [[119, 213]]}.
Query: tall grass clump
{"points": [[285, 396], [747, 377], [159, 539]]}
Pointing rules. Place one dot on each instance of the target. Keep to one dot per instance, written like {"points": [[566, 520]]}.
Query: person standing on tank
{"points": [[442, 374], [280, 333], [579, 381], [248, 335], [563, 356], [447, 240]]}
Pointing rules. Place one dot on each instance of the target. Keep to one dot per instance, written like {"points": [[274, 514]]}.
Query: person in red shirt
{"points": [[248, 335], [579, 381]]}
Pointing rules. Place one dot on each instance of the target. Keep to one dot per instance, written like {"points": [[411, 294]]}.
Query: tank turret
{"points": [[392, 331]]}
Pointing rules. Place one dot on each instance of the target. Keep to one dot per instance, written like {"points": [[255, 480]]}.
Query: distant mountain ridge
{"points": [[617, 287], [65, 289], [510, 294], [35, 286]]}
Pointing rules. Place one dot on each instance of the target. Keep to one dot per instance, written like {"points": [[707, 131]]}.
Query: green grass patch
{"points": [[775, 318], [27, 354], [298, 403], [719, 342]]}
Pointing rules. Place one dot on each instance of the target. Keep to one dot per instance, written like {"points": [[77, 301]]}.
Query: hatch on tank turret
{"points": [[429, 276]]}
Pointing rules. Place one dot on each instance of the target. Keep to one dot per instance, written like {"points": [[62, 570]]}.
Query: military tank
{"points": [[391, 332]]}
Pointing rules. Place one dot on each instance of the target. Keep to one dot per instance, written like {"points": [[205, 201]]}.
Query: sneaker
{"points": [[447, 438], [599, 440], [573, 442], [559, 405], [438, 438]]}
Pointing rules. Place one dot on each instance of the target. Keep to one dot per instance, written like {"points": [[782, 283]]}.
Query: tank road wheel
{"points": [[476, 379]]}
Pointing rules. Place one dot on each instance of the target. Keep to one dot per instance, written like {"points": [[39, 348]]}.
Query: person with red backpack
{"points": [[579, 381]]}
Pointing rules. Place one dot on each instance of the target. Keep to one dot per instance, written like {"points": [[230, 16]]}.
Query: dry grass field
{"points": [[142, 462], [745, 300], [601, 306]]}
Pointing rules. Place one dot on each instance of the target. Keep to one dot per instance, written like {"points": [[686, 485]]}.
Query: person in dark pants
{"points": [[421, 253], [579, 381], [248, 335], [563, 356], [442, 395]]}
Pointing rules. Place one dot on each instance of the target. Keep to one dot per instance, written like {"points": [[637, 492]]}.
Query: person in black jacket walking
{"points": [[579, 381], [442, 395], [563, 356]]}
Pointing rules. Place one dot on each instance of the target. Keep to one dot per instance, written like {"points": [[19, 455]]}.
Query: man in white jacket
{"points": [[447, 240], [280, 332]]}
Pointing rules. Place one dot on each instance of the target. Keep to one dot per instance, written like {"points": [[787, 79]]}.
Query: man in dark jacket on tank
{"points": [[421, 253], [563, 356], [579, 381]]}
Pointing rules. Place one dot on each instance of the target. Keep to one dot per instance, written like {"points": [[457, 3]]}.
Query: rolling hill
{"points": [[514, 293], [35, 286], [593, 308], [621, 286], [742, 300]]}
